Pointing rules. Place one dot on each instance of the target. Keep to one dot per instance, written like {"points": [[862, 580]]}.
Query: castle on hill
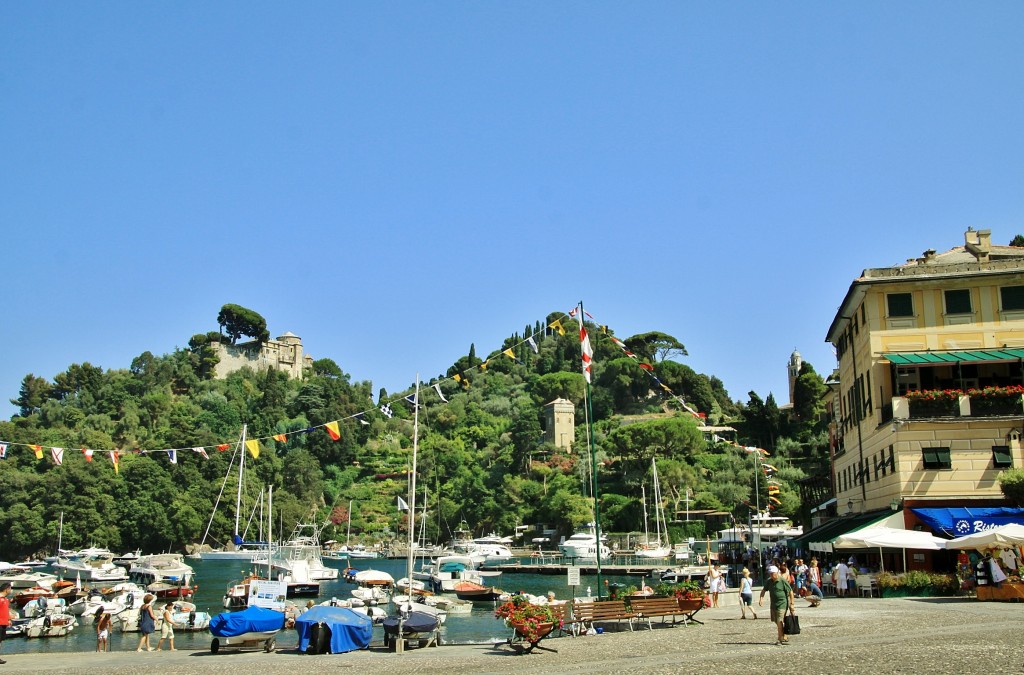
{"points": [[283, 353]]}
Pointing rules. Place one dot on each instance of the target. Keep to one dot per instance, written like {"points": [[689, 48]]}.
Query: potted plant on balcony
{"points": [[997, 400], [531, 622], [934, 402]]}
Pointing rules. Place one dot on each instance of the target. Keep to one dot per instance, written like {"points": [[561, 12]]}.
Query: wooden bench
{"points": [[602, 611], [565, 624], [653, 608]]}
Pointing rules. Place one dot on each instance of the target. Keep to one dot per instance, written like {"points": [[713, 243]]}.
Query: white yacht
{"points": [[583, 546], [448, 570], [303, 548], [169, 568], [91, 565]]}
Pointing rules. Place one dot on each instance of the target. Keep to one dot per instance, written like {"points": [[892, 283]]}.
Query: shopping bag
{"points": [[791, 624]]}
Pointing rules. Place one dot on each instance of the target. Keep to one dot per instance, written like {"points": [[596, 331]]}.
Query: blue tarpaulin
{"points": [[350, 630], [960, 521], [250, 620]]}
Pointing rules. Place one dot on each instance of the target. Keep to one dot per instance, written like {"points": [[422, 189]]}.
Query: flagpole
{"points": [[589, 411]]}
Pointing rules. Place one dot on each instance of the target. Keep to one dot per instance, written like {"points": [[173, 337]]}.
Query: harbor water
{"points": [[477, 627]]}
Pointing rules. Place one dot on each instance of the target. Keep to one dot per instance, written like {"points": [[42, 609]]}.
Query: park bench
{"points": [[665, 608], [602, 611]]}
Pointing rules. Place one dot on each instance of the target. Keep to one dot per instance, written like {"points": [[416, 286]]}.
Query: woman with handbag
{"points": [[147, 622]]}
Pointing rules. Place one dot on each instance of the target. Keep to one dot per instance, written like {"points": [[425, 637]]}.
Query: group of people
{"points": [[147, 625]]}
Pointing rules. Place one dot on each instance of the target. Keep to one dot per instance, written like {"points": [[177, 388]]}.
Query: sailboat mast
{"points": [[412, 482], [270, 526], [241, 470]]}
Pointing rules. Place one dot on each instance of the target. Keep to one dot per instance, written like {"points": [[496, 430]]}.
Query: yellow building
{"points": [[928, 409]]}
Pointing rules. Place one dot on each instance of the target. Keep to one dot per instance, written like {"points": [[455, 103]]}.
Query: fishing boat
{"points": [[300, 556], [53, 624], [467, 590]]}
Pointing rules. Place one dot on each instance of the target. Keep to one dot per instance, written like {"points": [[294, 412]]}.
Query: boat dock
{"points": [[636, 570]]}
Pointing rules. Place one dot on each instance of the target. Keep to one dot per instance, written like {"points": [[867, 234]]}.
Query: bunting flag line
{"points": [[254, 448], [58, 455], [483, 366], [574, 311], [38, 449], [557, 325], [509, 353], [437, 388], [281, 438], [223, 446], [173, 456], [646, 366], [201, 452], [3, 451], [332, 429], [362, 420], [88, 454], [533, 344], [411, 400], [386, 409], [114, 461]]}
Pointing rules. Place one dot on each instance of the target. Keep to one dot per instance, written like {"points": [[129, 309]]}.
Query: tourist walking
{"points": [[147, 622], [715, 582], [841, 576], [103, 621], [167, 629], [746, 595], [780, 593], [5, 612]]}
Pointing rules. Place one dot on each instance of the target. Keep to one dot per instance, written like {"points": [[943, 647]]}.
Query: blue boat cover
{"points": [[350, 630], [452, 567], [250, 620], [957, 522]]}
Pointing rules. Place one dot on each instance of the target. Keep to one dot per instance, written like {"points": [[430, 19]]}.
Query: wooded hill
{"points": [[482, 459]]}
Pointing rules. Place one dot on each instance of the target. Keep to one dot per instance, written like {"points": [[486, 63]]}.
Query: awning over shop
{"points": [[821, 538], [974, 355], [960, 521]]}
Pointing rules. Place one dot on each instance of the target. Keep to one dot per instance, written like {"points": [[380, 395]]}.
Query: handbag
{"points": [[791, 624]]}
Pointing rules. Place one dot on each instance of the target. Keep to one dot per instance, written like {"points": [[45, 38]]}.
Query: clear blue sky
{"points": [[394, 181]]}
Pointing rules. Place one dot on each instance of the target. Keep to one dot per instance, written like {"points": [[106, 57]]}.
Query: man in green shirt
{"points": [[781, 596]]}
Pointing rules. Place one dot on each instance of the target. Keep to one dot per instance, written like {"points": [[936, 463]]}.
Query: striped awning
{"points": [[974, 355]]}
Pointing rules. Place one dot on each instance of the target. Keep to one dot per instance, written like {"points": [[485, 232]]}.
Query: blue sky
{"points": [[394, 181]]}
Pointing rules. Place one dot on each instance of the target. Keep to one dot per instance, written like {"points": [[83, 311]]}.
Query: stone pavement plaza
{"points": [[852, 635]]}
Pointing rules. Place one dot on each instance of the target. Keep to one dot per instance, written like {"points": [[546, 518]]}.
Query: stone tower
{"points": [[560, 423], [795, 361]]}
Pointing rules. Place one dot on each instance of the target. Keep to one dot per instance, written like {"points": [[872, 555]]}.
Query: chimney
{"points": [[978, 243]]}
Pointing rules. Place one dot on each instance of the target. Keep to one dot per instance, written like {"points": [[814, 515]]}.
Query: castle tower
{"points": [[795, 361], [560, 423]]}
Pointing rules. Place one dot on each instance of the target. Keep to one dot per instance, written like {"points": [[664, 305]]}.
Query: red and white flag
{"points": [[58, 455], [587, 350], [88, 454]]}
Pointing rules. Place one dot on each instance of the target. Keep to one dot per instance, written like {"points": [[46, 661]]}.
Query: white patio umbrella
{"points": [[1004, 535], [887, 537]]}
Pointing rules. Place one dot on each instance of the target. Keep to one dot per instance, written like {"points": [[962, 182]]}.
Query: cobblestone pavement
{"points": [[854, 635]]}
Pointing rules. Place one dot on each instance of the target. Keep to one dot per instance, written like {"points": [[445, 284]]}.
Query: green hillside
{"points": [[481, 458]]}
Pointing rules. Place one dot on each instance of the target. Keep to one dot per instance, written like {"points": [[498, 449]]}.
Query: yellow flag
{"points": [[510, 354], [38, 450], [254, 448], [483, 366], [332, 430], [557, 325], [281, 438]]}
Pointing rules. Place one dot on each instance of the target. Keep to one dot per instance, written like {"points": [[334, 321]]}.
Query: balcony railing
{"points": [[930, 407]]}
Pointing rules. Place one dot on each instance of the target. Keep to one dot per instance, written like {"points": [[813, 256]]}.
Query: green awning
{"points": [[975, 355], [820, 538]]}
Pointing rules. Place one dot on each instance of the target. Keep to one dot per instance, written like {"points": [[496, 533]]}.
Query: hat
{"points": [[772, 569]]}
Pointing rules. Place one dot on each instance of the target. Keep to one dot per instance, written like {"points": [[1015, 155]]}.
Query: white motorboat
{"points": [[583, 546], [447, 570], [128, 559], [303, 546], [91, 565], [161, 567], [51, 624], [21, 578]]}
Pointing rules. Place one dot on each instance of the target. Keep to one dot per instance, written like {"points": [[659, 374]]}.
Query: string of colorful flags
{"points": [[333, 428]]}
